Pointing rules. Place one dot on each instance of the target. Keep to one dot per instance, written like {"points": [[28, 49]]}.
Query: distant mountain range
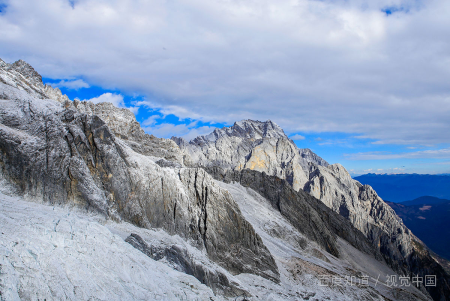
{"points": [[425, 200], [428, 218], [404, 187]]}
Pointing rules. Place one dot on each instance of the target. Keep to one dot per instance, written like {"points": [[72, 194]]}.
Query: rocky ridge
{"points": [[123, 124], [263, 147], [22, 76]]}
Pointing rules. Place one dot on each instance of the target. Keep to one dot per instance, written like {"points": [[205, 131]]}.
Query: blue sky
{"points": [[364, 83]]}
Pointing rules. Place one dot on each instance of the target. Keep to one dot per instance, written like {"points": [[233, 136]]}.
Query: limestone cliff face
{"points": [[96, 157], [123, 124], [364, 208]]}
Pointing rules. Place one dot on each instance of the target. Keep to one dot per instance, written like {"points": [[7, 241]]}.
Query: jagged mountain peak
{"points": [[246, 129], [23, 76], [265, 129], [26, 70], [2, 63]]}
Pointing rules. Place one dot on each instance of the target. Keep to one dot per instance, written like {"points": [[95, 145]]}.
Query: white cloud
{"points": [[135, 110], [394, 170], [115, 99], [167, 130], [297, 137], [71, 84], [150, 121], [426, 154], [310, 66]]}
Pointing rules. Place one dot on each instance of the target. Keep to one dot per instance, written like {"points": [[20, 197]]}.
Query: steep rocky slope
{"points": [[58, 155], [263, 147]]}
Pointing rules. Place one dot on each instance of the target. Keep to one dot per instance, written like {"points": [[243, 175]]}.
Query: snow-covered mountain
{"points": [[94, 208]]}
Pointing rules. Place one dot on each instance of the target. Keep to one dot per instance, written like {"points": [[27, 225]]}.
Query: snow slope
{"points": [[53, 253]]}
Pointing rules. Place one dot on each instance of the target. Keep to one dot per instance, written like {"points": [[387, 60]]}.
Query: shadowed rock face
{"points": [[306, 213], [182, 261], [59, 155]]}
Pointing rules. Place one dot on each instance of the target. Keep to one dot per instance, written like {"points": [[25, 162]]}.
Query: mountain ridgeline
{"points": [[405, 187], [264, 147], [307, 217]]}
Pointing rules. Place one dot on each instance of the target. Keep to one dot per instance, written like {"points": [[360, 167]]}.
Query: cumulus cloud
{"points": [[150, 121], [71, 84], [115, 99], [310, 66], [297, 137]]}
